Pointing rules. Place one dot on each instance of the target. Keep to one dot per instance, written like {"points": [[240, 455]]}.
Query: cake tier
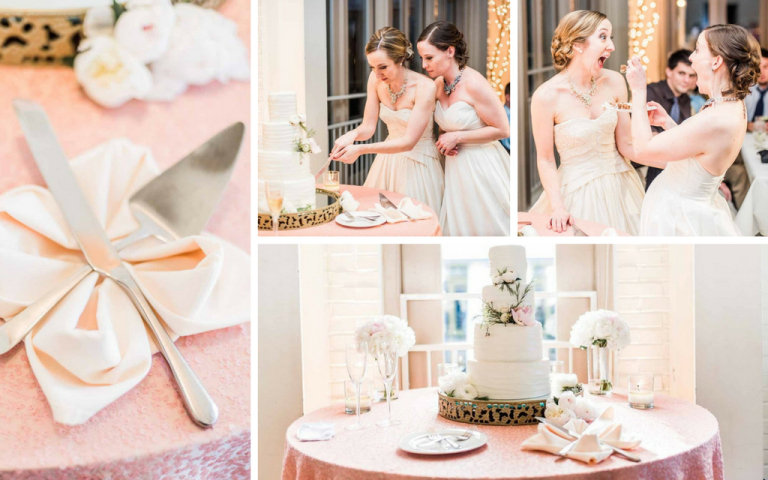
{"points": [[281, 105], [279, 136], [511, 257], [501, 298], [510, 380], [508, 343], [282, 165], [300, 192]]}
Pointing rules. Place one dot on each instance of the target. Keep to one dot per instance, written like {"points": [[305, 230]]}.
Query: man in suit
{"points": [[672, 94], [505, 142], [757, 100]]}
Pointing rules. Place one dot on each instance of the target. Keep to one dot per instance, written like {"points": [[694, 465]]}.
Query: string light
{"points": [[499, 44], [643, 20]]}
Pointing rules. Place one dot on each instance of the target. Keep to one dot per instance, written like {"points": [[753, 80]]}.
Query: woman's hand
{"points": [[660, 117], [348, 154], [343, 141], [447, 142], [636, 77], [560, 220]]}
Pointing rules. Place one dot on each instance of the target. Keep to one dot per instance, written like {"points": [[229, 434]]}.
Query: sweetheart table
{"points": [[367, 198], [539, 222], [680, 441]]}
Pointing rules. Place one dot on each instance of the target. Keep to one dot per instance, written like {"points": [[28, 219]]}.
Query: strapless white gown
{"points": [[684, 201], [416, 174], [596, 182], [476, 200]]}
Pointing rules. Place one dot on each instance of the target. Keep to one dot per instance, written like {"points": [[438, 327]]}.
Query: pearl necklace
{"points": [[714, 100], [394, 96], [584, 97]]}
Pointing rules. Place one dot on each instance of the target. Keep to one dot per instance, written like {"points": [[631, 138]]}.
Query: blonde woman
{"points": [[684, 198], [408, 161], [472, 120], [595, 180]]}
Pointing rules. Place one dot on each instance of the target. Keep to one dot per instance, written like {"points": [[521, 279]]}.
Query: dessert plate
{"points": [[413, 443], [359, 222], [624, 106]]}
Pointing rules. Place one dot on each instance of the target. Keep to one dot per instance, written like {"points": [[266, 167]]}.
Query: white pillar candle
{"points": [[641, 397], [350, 403]]}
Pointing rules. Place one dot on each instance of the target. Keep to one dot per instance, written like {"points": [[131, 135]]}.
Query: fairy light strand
{"points": [[643, 21], [499, 45]]}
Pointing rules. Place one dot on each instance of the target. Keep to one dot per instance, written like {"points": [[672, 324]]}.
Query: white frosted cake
{"points": [[278, 158], [508, 359]]}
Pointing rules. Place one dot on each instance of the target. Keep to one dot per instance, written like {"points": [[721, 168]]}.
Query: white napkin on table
{"points": [[406, 206], [348, 202], [587, 449], [93, 346], [312, 432], [529, 231]]}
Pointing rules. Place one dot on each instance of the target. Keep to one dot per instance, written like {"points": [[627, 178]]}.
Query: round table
{"points": [[146, 433], [367, 198], [539, 222], [680, 440]]}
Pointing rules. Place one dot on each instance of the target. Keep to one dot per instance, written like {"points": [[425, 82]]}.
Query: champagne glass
{"points": [[275, 195], [357, 357], [387, 363]]}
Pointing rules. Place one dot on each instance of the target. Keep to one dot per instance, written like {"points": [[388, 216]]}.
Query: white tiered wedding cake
{"points": [[279, 158], [508, 348]]}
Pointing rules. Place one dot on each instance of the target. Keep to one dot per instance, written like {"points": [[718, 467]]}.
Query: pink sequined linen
{"points": [[539, 221], [681, 441], [367, 198]]}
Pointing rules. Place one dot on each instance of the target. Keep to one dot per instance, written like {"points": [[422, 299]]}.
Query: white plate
{"points": [[410, 443], [360, 222], [648, 108]]}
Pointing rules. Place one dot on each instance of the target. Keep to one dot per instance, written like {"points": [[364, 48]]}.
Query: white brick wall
{"points": [[642, 299], [354, 294]]}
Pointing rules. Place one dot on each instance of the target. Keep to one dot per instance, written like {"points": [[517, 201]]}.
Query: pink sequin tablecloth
{"points": [[367, 197], [539, 221], [146, 433], [681, 441]]}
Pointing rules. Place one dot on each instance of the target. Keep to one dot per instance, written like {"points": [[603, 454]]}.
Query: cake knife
{"points": [[102, 255]]}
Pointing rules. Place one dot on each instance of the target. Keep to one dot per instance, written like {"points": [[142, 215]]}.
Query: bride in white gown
{"points": [[473, 120], [595, 181], [684, 199], [408, 161]]}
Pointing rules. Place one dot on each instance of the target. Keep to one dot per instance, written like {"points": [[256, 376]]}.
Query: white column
{"points": [[729, 351], [279, 373], [681, 323], [316, 77]]}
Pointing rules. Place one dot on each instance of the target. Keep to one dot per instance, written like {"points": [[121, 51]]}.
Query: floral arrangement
{"points": [[456, 385], [153, 50], [602, 328], [567, 406], [304, 144], [386, 333], [564, 382], [516, 313]]}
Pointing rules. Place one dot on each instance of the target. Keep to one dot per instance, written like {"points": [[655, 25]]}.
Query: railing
{"points": [[352, 174]]}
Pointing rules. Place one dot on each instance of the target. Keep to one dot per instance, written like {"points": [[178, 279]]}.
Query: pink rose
{"points": [[377, 327], [524, 315]]}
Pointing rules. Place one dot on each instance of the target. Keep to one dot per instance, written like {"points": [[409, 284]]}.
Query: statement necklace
{"points": [[714, 100], [394, 96], [584, 97], [448, 89]]}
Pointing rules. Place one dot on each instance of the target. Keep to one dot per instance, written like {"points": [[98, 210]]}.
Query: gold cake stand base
{"points": [[309, 218], [492, 412]]}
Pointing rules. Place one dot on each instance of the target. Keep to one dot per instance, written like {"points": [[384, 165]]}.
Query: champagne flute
{"points": [[386, 360], [275, 195], [357, 359]]}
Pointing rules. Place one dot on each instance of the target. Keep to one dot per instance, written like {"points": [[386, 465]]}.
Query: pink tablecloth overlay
{"points": [[539, 221], [680, 441], [367, 198], [171, 130]]}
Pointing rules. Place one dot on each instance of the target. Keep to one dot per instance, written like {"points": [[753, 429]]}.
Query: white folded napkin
{"points": [[93, 346], [312, 432], [348, 202], [406, 206], [529, 231], [587, 448]]}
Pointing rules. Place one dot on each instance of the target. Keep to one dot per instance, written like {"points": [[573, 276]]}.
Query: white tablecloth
{"points": [[753, 214]]}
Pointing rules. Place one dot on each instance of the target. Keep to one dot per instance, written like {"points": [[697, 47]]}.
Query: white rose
{"points": [[145, 31], [294, 119], [508, 277], [585, 410], [302, 118], [451, 382], [497, 280], [557, 414], [110, 75], [315, 148], [560, 380], [466, 392], [567, 400], [99, 21], [306, 147], [603, 328]]}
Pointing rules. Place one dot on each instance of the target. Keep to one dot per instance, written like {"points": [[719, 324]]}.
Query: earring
{"points": [[579, 50]]}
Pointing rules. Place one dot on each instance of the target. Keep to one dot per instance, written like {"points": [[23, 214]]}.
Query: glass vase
{"points": [[599, 373]]}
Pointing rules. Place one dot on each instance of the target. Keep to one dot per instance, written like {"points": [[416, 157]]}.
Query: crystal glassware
{"points": [[357, 358], [386, 360], [275, 195], [640, 391], [331, 180], [350, 396]]}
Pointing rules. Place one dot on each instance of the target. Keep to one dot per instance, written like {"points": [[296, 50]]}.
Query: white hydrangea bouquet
{"points": [[602, 328], [388, 332], [516, 313], [456, 385], [153, 50]]}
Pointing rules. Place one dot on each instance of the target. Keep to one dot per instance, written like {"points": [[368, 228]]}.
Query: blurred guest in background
{"points": [[757, 100], [505, 141], [697, 100]]}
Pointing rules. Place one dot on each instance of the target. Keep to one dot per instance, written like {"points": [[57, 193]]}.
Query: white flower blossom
{"points": [[567, 400], [466, 392], [557, 414], [585, 409], [600, 325], [145, 29], [508, 277], [294, 120], [313, 146], [386, 333], [497, 280], [558, 381]]}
